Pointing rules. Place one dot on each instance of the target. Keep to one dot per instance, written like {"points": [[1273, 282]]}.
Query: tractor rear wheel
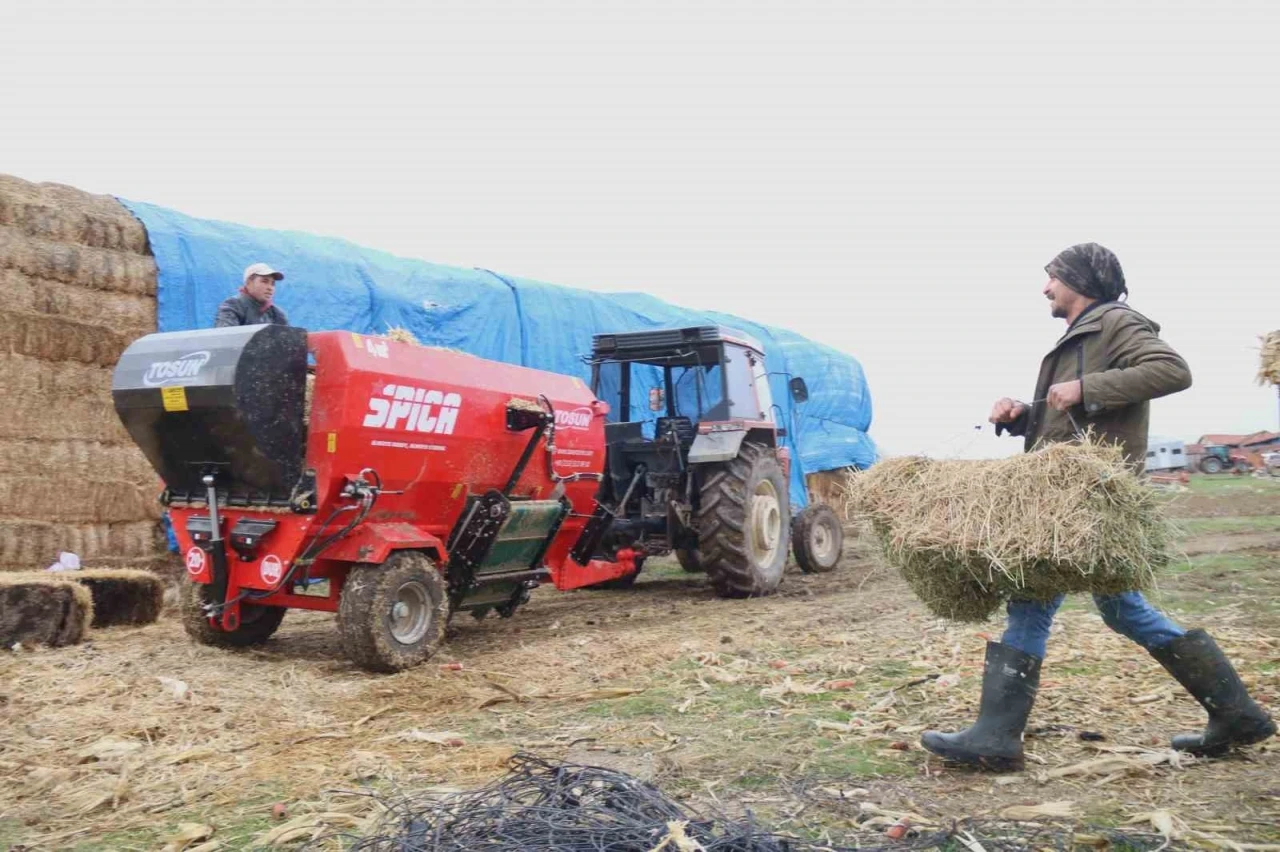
{"points": [[688, 560], [1211, 464], [392, 616], [743, 529], [818, 539], [257, 622]]}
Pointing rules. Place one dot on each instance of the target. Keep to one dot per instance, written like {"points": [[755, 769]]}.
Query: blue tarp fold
{"points": [[334, 284]]}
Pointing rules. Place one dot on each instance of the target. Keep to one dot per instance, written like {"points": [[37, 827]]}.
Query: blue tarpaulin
{"points": [[334, 284]]}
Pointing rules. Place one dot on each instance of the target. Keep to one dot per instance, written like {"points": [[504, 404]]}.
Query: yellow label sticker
{"points": [[457, 489], [333, 442], [359, 341], [174, 399]]}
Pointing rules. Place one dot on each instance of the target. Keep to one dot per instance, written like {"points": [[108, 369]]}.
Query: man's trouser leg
{"points": [[1010, 679], [1196, 661]]}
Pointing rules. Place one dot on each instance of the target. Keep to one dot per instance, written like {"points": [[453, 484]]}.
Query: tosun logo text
{"points": [[414, 410], [578, 418], [186, 367]]}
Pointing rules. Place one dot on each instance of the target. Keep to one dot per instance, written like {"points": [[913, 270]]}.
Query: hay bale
{"points": [[75, 499], [968, 535], [57, 401], [120, 595], [829, 486], [66, 214], [53, 338], [1269, 360], [43, 611], [27, 545], [127, 314], [25, 457], [95, 268]]}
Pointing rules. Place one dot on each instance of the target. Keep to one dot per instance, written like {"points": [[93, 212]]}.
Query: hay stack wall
{"points": [[78, 284]]}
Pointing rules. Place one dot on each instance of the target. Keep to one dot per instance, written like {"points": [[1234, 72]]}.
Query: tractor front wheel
{"points": [[392, 616], [818, 539], [744, 530], [257, 622]]}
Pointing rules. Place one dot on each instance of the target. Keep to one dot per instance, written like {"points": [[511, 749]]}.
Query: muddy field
{"points": [[800, 707]]}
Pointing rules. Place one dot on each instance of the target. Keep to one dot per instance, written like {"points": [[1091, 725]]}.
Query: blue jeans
{"points": [[1127, 613]]}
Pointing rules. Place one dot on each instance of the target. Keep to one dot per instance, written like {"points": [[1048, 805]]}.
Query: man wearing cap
{"points": [[1101, 375], [252, 305]]}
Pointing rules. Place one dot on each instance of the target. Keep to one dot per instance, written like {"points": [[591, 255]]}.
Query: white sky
{"points": [[888, 178]]}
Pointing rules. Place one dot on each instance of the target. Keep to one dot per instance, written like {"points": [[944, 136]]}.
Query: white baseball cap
{"points": [[261, 269]]}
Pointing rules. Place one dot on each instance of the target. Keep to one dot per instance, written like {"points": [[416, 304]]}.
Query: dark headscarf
{"points": [[1090, 270]]}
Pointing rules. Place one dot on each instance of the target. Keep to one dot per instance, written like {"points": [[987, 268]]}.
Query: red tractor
{"points": [[393, 484]]}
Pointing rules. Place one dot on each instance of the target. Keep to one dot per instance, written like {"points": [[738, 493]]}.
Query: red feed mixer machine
{"points": [[421, 482]]}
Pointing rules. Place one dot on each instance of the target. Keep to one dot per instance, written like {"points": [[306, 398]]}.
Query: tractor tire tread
{"points": [[722, 521], [252, 631]]}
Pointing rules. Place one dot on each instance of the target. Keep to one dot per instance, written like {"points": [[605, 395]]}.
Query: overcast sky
{"points": [[888, 178]]}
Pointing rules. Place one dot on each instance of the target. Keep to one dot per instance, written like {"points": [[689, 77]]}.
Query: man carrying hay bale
{"points": [[253, 305], [1100, 377]]}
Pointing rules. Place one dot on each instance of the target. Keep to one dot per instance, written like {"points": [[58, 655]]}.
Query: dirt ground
{"points": [[802, 707]]}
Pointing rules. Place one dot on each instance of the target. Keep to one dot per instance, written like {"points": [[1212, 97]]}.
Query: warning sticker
{"points": [[271, 569], [333, 442], [195, 561], [174, 398]]}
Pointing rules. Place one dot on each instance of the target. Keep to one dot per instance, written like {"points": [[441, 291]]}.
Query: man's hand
{"points": [[1065, 394], [1006, 411]]}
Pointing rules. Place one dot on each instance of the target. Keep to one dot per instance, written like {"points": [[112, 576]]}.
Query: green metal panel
{"points": [[521, 536]]}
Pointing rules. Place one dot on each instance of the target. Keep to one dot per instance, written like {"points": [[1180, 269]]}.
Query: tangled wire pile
{"points": [[968, 534], [541, 806]]}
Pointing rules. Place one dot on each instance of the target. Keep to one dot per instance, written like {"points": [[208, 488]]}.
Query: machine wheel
{"points": [[818, 539], [1211, 464], [743, 529], [1243, 466], [688, 560], [392, 616], [625, 582], [257, 622]]}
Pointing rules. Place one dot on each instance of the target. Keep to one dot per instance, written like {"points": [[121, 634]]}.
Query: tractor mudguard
{"points": [[374, 542], [716, 446]]}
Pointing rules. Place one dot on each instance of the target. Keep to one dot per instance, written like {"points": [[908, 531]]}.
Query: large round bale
{"points": [[86, 266], [65, 214], [128, 314], [120, 595], [99, 459], [967, 535], [29, 544], [77, 500], [43, 610], [1269, 360], [57, 400]]}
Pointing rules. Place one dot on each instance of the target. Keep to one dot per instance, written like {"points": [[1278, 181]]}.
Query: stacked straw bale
{"points": [[1269, 362], [78, 285], [968, 535], [43, 610], [120, 596]]}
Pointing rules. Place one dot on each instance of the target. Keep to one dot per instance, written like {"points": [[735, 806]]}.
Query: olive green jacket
{"points": [[1122, 364]]}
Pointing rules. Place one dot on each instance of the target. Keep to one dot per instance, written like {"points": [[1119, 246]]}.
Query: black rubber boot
{"points": [[1010, 679], [1234, 718]]}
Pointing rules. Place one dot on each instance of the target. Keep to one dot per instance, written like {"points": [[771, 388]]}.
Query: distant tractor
{"points": [[1219, 457], [695, 464]]}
